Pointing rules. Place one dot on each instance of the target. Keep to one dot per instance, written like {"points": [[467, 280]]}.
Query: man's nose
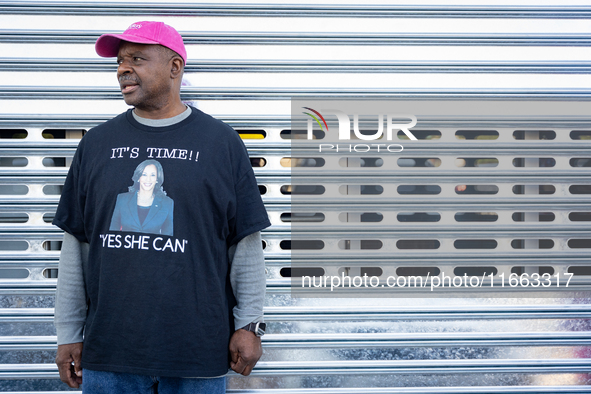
{"points": [[123, 68]]}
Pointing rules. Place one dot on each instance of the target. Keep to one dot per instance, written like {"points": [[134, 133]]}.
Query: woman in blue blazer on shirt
{"points": [[145, 208]]}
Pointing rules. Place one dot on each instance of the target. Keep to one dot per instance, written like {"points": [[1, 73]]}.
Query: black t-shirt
{"points": [[158, 290]]}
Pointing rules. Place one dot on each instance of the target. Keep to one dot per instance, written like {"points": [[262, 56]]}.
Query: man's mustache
{"points": [[128, 78]]}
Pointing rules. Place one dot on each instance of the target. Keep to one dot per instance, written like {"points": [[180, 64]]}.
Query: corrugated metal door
{"points": [[527, 184]]}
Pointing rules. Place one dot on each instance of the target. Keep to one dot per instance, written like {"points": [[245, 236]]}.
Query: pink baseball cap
{"points": [[147, 32]]}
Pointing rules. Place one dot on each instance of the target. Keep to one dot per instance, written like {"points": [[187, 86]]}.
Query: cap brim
{"points": [[107, 45]]}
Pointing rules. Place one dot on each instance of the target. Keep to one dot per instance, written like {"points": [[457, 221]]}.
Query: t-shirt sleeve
{"points": [[250, 214], [69, 216]]}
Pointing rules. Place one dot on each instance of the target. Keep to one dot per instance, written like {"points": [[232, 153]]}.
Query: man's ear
{"points": [[176, 68]]}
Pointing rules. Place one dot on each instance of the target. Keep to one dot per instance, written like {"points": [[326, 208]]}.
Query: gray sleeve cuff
{"points": [[69, 332], [241, 321], [248, 279]]}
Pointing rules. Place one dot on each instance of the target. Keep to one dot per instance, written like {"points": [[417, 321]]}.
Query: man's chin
{"points": [[130, 99], [131, 103]]}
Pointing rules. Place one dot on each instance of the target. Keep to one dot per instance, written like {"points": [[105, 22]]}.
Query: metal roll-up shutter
{"points": [[247, 60]]}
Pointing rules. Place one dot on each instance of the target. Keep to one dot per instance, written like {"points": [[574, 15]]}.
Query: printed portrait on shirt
{"points": [[145, 208]]}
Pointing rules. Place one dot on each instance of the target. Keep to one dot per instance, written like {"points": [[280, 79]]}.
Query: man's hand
{"points": [[245, 351], [70, 374]]}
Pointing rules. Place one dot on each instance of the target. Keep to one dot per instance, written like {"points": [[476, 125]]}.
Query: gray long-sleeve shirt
{"points": [[247, 276]]}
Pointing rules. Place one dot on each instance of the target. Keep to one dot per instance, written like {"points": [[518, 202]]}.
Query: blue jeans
{"points": [[104, 382]]}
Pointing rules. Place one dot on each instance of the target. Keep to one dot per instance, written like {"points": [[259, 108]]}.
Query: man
{"points": [[140, 309]]}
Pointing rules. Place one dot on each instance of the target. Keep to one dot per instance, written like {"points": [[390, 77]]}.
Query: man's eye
{"points": [[135, 59]]}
